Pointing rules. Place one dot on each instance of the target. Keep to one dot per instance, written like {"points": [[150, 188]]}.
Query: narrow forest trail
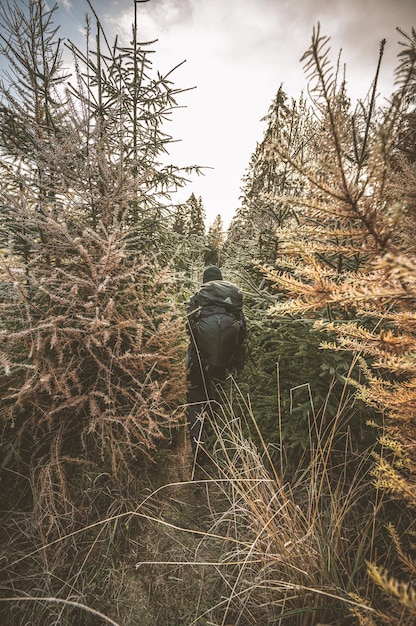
{"points": [[175, 542]]}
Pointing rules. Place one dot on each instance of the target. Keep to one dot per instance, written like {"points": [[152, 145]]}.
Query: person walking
{"points": [[217, 329]]}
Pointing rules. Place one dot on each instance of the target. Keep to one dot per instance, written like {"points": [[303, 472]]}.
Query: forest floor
{"points": [[151, 560], [170, 576]]}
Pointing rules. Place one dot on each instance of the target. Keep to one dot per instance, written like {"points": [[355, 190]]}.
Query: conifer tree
{"points": [[180, 220], [269, 179], [92, 351], [31, 118], [349, 268], [196, 216], [188, 227], [215, 242]]}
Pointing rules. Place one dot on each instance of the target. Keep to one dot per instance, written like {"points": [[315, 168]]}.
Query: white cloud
{"points": [[65, 3]]}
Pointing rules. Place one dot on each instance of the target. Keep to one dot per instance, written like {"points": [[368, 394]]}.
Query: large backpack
{"points": [[215, 323]]}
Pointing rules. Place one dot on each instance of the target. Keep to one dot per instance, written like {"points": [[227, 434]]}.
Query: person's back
{"points": [[217, 329], [215, 325]]}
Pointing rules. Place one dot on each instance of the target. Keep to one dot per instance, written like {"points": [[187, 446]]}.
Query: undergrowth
{"points": [[232, 542]]}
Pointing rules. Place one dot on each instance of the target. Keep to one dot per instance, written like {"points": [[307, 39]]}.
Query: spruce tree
{"points": [[269, 180], [215, 242], [92, 351], [196, 216]]}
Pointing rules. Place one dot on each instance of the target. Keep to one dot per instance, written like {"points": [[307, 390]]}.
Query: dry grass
{"points": [[237, 544], [288, 551]]}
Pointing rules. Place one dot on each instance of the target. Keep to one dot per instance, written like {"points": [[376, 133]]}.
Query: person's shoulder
{"points": [[228, 283], [233, 286]]}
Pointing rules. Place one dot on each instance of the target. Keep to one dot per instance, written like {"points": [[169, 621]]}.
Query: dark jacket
{"points": [[195, 310]]}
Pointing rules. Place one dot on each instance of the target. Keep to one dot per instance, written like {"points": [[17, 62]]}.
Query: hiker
{"points": [[217, 329]]}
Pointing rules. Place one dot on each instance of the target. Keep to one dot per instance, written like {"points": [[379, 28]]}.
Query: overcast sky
{"points": [[237, 53]]}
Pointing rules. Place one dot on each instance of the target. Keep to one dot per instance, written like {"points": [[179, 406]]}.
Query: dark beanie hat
{"points": [[211, 273]]}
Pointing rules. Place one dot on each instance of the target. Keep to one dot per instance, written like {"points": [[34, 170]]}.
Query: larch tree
{"points": [[349, 267]]}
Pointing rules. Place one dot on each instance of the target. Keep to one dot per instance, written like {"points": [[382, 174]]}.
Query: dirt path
{"points": [[174, 546]]}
